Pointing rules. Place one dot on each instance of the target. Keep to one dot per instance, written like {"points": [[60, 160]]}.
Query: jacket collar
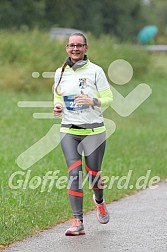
{"points": [[78, 64]]}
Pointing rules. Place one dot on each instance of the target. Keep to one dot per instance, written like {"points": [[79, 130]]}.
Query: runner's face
{"points": [[76, 48]]}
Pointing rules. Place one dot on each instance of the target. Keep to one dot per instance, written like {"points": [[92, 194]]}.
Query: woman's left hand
{"points": [[83, 99]]}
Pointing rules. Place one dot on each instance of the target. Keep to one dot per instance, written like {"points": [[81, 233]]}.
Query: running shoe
{"points": [[77, 228], [101, 212]]}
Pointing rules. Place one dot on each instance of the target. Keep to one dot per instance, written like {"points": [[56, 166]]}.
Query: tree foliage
{"points": [[119, 18]]}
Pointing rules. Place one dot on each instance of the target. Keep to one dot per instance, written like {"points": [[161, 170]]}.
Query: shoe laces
{"points": [[76, 223], [101, 208]]}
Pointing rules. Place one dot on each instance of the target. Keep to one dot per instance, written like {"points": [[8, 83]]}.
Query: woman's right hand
{"points": [[58, 108]]}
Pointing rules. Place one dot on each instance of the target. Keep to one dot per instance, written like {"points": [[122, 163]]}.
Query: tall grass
{"points": [[139, 143], [22, 53]]}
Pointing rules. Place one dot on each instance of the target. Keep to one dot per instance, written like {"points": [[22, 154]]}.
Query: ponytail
{"points": [[61, 75]]}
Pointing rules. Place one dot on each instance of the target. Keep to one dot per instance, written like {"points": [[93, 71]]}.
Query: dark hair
{"points": [[65, 63]]}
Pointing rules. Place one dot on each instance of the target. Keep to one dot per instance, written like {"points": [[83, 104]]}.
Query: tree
{"points": [[15, 13], [119, 18]]}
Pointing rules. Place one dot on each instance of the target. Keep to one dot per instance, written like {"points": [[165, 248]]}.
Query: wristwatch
{"points": [[95, 102]]}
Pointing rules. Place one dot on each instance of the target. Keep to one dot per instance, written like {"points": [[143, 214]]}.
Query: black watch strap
{"points": [[95, 102]]}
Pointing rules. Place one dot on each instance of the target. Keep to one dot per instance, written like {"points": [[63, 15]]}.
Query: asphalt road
{"points": [[138, 223]]}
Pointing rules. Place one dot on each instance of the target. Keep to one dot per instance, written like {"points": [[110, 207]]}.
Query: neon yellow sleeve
{"points": [[106, 97], [57, 98]]}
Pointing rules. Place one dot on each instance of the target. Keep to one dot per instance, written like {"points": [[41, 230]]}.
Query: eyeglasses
{"points": [[78, 46]]}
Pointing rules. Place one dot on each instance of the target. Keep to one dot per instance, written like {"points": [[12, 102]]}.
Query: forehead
{"points": [[76, 39]]}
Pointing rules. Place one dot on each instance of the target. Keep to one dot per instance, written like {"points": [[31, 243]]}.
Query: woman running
{"points": [[81, 91]]}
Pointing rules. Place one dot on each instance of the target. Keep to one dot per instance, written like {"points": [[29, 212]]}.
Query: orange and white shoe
{"points": [[101, 212], [77, 228]]}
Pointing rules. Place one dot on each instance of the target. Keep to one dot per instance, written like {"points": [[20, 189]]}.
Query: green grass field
{"points": [[138, 145]]}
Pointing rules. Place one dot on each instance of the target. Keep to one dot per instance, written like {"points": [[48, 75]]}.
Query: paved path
{"points": [[138, 223]]}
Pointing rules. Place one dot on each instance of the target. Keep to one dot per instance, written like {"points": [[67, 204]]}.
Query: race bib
{"points": [[71, 105]]}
